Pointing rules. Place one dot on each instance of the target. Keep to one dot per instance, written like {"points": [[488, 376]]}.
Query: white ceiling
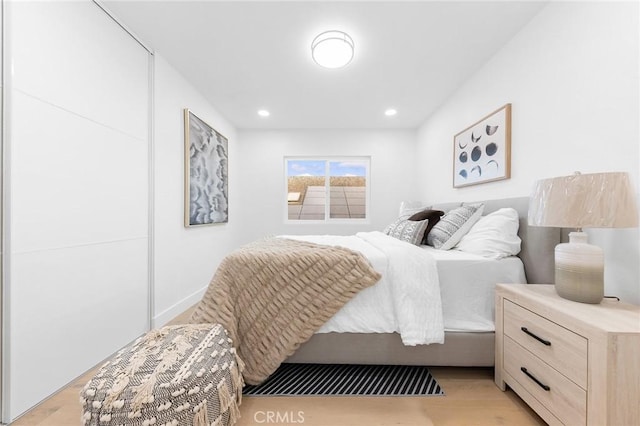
{"points": [[244, 56]]}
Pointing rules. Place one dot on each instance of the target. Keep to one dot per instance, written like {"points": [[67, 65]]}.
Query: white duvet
{"points": [[406, 300]]}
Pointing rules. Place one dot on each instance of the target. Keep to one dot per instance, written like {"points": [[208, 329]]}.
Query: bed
{"points": [[271, 295], [466, 343]]}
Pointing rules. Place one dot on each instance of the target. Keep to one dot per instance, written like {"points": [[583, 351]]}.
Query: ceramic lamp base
{"points": [[579, 270]]}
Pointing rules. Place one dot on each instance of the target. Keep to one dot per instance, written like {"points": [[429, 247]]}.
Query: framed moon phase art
{"points": [[482, 151], [206, 180]]}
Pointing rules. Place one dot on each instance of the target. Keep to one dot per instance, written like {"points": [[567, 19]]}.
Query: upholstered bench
{"points": [[176, 375]]}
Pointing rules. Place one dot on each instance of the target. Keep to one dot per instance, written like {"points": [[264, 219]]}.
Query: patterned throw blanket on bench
{"points": [[273, 294]]}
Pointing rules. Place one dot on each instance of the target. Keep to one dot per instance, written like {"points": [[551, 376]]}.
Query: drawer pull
{"points": [[539, 339], [531, 376]]}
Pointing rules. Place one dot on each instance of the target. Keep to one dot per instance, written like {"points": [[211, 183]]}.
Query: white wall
{"points": [[78, 105], [184, 258], [572, 77], [261, 186]]}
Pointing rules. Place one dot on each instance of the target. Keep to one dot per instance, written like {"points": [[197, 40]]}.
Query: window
{"points": [[344, 182]]}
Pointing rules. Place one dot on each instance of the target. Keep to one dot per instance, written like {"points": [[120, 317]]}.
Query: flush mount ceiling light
{"points": [[390, 112], [263, 113], [332, 49]]}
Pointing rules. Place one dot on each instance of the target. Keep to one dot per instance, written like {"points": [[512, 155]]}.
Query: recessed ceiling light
{"points": [[263, 113], [390, 112], [332, 49]]}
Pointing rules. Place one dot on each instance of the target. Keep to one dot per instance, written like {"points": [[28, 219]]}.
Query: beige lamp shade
{"points": [[597, 200]]}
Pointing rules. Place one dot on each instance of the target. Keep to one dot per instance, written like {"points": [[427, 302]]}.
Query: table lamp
{"points": [[597, 200]]}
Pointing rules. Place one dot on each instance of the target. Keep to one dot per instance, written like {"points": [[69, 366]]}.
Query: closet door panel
{"points": [[73, 55], [77, 182]]}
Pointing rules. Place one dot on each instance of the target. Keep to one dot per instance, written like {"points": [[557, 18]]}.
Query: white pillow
{"points": [[453, 226], [494, 236]]}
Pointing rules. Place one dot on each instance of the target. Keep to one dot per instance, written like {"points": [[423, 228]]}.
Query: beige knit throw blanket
{"points": [[273, 294]]}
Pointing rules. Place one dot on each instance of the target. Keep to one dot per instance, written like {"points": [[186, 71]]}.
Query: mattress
{"points": [[467, 284]]}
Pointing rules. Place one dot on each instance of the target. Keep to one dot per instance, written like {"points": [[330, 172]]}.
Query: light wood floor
{"points": [[471, 399]]}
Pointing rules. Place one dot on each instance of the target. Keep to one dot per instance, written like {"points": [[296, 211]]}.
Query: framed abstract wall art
{"points": [[206, 173], [482, 151]]}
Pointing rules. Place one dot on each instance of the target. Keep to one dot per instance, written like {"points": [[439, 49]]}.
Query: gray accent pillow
{"points": [[410, 231], [453, 226]]}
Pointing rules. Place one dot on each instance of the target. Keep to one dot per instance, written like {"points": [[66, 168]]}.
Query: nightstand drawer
{"points": [[566, 400], [562, 349]]}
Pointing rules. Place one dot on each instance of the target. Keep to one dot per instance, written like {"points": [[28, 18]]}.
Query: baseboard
{"points": [[168, 314]]}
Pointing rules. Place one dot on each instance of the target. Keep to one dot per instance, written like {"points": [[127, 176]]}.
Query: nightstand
{"points": [[573, 363]]}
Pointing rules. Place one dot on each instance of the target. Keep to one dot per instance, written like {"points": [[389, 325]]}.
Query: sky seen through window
{"points": [[318, 168]]}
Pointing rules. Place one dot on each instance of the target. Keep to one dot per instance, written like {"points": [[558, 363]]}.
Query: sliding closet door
{"points": [[79, 121]]}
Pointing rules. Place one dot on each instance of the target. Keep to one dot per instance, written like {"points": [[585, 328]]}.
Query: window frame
{"points": [[365, 160]]}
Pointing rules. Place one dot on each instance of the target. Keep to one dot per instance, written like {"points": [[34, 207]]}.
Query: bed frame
{"points": [[459, 349]]}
